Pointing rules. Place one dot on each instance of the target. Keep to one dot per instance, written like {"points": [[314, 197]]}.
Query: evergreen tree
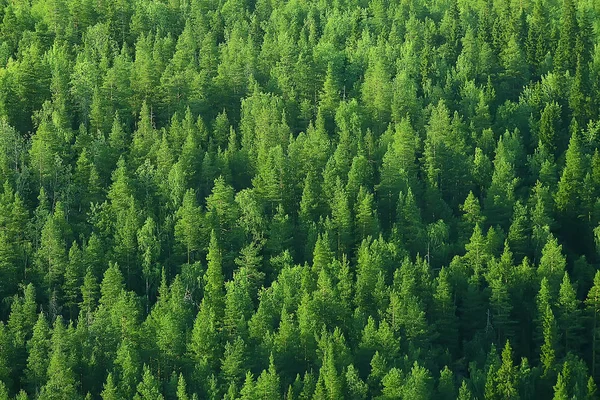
{"points": [[563, 60], [571, 179], [214, 289], [552, 264], [150, 251], [61, 382], [148, 388], [592, 303], [110, 390], [39, 350], [569, 317]]}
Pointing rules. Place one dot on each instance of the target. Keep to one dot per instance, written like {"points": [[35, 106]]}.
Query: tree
{"points": [[127, 368], [267, 384], [550, 135], [537, 43], [500, 197], [518, 233], [234, 361], [507, 377], [376, 89], [22, 317], [148, 388], [149, 247], [464, 393], [552, 264], [73, 278], [222, 211], [341, 219], [329, 98], [444, 313], [38, 348], [187, 227], [111, 286], [204, 346], [418, 383], [560, 389], [214, 295], [399, 169], [89, 295], [445, 171], [61, 382], [181, 389], [569, 314], [3, 391], [446, 387], [51, 258], [367, 223], [563, 60], [356, 389], [592, 303], [571, 178], [516, 71], [548, 350], [109, 391]]}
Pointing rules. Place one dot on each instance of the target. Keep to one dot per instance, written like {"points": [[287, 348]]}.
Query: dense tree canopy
{"points": [[285, 199]]}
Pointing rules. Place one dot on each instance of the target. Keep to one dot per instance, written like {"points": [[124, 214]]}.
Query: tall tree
{"points": [[563, 61]]}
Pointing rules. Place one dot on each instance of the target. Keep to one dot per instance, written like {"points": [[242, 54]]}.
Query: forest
{"points": [[299, 199]]}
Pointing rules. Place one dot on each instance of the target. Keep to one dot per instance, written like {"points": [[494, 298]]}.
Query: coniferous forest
{"points": [[299, 199]]}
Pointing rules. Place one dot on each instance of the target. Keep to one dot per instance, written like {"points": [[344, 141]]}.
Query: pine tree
{"points": [[187, 227], [149, 248], [38, 348], [127, 368], [61, 382], [329, 98], [204, 346], [548, 350], [234, 361], [214, 289], [563, 60], [222, 211], [89, 295], [550, 135], [148, 388], [560, 389], [112, 286], [506, 377], [356, 389], [500, 197], [51, 257], [341, 219], [592, 303], [444, 315], [109, 391], [418, 383], [464, 393], [516, 71], [367, 223], [569, 314], [537, 43], [501, 309], [73, 278], [571, 179], [446, 387], [181, 388], [267, 384], [377, 89], [518, 233], [552, 264]]}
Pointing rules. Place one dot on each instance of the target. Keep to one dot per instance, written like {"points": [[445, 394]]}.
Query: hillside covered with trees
{"points": [[299, 199]]}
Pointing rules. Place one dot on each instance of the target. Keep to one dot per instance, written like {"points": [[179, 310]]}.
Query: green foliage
{"points": [[299, 199]]}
